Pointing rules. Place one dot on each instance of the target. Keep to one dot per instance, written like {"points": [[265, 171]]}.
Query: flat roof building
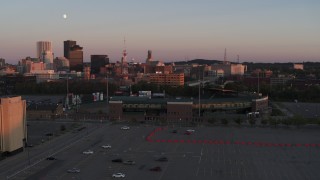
{"points": [[12, 124]]}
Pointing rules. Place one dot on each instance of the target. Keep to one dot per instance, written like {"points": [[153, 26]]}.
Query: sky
{"points": [[175, 30]]}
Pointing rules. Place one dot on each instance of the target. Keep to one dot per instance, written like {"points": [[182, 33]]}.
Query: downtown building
{"points": [[45, 54], [98, 63], [74, 54]]}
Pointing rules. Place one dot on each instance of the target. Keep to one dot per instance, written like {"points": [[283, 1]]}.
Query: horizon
{"points": [[259, 32]]}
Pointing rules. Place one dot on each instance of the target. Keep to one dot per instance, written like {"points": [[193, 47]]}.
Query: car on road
{"points": [[125, 128], [29, 145], [162, 159], [157, 168], [117, 160], [73, 170], [129, 162], [106, 146], [88, 152], [51, 158], [118, 175], [187, 133]]}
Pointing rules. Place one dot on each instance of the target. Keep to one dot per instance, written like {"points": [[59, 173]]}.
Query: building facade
{"points": [[43, 46], [179, 110], [74, 53], [97, 62], [12, 124], [167, 79]]}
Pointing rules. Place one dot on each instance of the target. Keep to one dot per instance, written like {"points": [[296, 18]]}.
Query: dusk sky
{"points": [[175, 30]]}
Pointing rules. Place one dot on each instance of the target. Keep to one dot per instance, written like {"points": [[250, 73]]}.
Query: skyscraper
{"points": [[43, 46], [45, 54], [74, 53]]}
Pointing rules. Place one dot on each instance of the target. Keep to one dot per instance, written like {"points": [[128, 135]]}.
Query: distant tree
{"points": [[286, 122], [264, 121], [273, 121], [212, 120], [252, 121], [62, 127], [238, 120], [224, 121], [134, 120], [298, 121]]}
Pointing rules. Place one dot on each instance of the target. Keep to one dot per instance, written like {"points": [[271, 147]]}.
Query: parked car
{"points": [[51, 158], [117, 160], [163, 159], [174, 131], [129, 162], [118, 175], [88, 152], [106, 146], [157, 168], [73, 170], [125, 127], [190, 130], [187, 133]]}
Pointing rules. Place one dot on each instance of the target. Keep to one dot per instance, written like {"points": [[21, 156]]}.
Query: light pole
{"points": [[107, 87]]}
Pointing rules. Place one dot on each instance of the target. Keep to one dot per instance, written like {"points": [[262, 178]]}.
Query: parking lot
{"points": [[207, 153]]}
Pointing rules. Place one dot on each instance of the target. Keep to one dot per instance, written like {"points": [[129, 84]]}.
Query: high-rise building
{"points": [[67, 45], [45, 54], [97, 62], [43, 46], [2, 62], [12, 124], [149, 58], [74, 53]]}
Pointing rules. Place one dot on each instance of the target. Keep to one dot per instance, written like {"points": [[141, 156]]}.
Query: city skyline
{"points": [[272, 31]]}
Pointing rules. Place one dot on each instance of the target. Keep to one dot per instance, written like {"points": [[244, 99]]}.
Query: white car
{"points": [[118, 175], [88, 152], [125, 127], [74, 170], [190, 130], [106, 146]]}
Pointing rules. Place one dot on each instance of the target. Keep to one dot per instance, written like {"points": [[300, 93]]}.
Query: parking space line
{"points": [[197, 171]]}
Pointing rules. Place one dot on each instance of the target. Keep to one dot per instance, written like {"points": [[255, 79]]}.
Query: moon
{"points": [[64, 16]]}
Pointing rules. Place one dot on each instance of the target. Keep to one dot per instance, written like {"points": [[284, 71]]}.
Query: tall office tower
{"points": [[149, 58], [74, 53], [43, 46], [97, 62], [45, 54], [2, 62]]}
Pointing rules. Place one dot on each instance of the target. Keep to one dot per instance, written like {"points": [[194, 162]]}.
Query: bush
{"points": [[238, 120], [224, 121], [264, 121], [273, 122], [212, 120], [252, 121], [62, 127]]}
